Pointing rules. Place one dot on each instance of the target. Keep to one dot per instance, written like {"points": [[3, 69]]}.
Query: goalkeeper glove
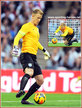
{"points": [[56, 34], [15, 51], [46, 53]]}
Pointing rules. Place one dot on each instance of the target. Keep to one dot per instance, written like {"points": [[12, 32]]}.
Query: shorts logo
{"points": [[30, 64]]}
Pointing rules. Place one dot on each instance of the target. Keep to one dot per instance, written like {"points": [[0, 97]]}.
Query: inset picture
{"points": [[64, 32]]}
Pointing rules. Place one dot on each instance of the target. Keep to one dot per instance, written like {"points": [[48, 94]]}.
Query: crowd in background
{"points": [[74, 9], [65, 59], [16, 13]]}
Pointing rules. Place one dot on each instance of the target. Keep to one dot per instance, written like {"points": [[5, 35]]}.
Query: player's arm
{"points": [[19, 35], [15, 51], [17, 38], [46, 53], [65, 33], [56, 32]]}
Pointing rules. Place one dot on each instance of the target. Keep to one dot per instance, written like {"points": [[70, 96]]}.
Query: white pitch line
{"points": [[10, 101], [64, 100], [49, 101]]}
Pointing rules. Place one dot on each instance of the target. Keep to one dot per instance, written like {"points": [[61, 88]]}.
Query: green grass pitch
{"points": [[52, 100], [63, 45]]}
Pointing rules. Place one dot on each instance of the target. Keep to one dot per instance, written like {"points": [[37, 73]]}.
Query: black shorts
{"points": [[29, 60], [69, 37]]}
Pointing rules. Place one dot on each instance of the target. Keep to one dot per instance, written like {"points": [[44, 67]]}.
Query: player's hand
{"points": [[15, 51], [56, 34], [46, 53]]}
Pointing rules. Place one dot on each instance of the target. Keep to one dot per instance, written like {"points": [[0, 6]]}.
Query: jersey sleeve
{"points": [[57, 30], [65, 33], [40, 46], [24, 29], [17, 38]]}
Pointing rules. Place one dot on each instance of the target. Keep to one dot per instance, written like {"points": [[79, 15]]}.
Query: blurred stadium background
{"points": [[68, 60]]}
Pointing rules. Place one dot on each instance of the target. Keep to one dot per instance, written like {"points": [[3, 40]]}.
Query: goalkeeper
{"points": [[30, 45], [67, 35]]}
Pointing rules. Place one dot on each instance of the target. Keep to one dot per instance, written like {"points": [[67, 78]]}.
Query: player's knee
{"points": [[40, 81], [29, 71], [66, 42]]}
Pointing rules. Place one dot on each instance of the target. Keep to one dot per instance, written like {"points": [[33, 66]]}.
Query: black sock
{"points": [[24, 81], [32, 89]]}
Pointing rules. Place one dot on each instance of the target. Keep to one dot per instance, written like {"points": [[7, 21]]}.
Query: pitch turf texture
{"points": [[52, 100], [63, 45]]}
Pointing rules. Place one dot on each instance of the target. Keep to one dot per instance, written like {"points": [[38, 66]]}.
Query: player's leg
{"points": [[28, 74], [33, 88], [39, 81], [71, 39], [28, 70], [68, 40], [65, 42], [74, 40], [24, 80]]}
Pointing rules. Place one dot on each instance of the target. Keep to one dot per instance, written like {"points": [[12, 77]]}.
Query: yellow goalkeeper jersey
{"points": [[66, 31], [30, 38]]}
